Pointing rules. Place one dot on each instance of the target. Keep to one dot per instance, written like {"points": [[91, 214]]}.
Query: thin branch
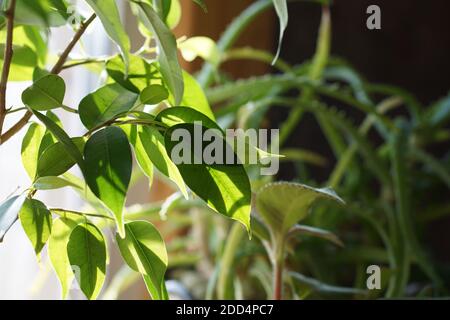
{"points": [[55, 70], [62, 59], [9, 14]]}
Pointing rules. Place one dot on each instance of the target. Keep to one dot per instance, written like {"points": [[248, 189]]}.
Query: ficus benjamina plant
{"points": [[145, 96]]}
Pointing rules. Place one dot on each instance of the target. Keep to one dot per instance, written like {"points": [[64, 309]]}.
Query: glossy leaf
{"points": [[23, 62], [57, 249], [105, 104], [36, 221], [30, 148], [142, 159], [177, 115], [153, 142], [55, 160], [153, 94], [283, 204], [194, 96], [9, 209], [141, 74], [167, 54], [45, 94], [224, 187], [108, 169], [109, 15], [61, 136], [51, 183], [144, 251], [86, 250]]}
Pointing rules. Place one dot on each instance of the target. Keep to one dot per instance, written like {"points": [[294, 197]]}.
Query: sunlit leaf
{"points": [[45, 94], [144, 251], [30, 148], [86, 250], [224, 187], [9, 209], [194, 96], [283, 204], [141, 74], [109, 15], [108, 169], [105, 104], [167, 54], [55, 160], [36, 221], [153, 142]]}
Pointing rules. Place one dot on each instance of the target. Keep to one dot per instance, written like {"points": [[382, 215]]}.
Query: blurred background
{"points": [[411, 51]]}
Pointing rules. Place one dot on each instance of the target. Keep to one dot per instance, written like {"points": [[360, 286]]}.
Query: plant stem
{"points": [[55, 70], [9, 14], [62, 59], [278, 280], [225, 279]]}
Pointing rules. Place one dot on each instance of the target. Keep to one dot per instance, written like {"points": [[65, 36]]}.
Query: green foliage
{"points": [[144, 251], [45, 94], [36, 221], [86, 250], [108, 169], [388, 184]]}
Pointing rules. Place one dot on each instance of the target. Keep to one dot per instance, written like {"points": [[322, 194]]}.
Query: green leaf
{"points": [[51, 183], [153, 94], [45, 94], [141, 74], [36, 221], [9, 209], [144, 251], [86, 250], [153, 142], [108, 13], [194, 96], [203, 47], [107, 103], [62, 137], [224, 187], [43, 13], [282, 12], [283, 204], [23, 62], [315, 232], [155, 292], [30, 148], [55, 160], [142, 159], [177, 115], [167, 45], [108, 169], [57, 249]]}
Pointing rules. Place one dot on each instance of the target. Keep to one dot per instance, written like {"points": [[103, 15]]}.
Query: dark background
{"points": [[412, 51]]}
